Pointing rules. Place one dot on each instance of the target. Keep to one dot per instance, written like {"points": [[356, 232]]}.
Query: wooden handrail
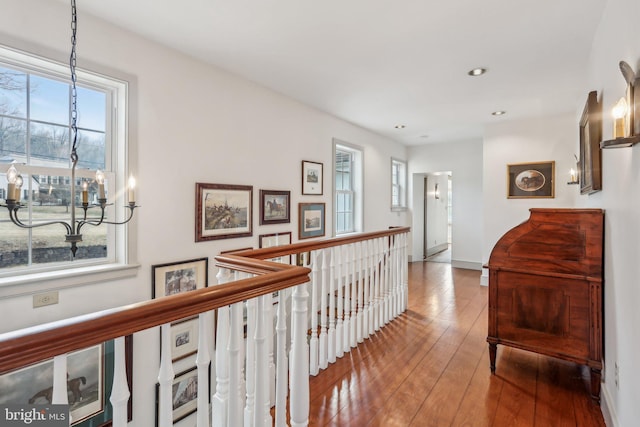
{"points": [[30, 345]]}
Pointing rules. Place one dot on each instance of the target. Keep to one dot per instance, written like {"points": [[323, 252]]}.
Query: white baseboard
{"points": [[484, 279], [467, 265], [608, 410]]}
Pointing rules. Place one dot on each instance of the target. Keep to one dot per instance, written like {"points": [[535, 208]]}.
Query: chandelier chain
{"points": [[74, 92]]}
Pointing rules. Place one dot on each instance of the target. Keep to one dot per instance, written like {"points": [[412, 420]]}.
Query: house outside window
{"points": [[348, 185], [398, 185], [35, 136]]}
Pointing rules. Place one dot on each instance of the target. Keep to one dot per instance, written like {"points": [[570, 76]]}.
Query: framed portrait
{"points": [[184, 395], [531, 180], [275, 239], [177, 277], [311, 220], [311, 177], [590, 131], [275, 207], [223, 211], [184, 338], [89, 384]]}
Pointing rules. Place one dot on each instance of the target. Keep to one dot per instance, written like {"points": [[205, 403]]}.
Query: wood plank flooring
{"points": [[430, 367]]}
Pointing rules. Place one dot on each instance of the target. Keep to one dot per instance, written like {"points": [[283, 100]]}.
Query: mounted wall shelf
{"points": [[620, 142]]}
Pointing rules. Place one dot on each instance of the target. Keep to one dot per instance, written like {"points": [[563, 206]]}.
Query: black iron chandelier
{"points": [[73, 226]]}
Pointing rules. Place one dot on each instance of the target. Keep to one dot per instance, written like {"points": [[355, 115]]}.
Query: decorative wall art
{"points": [[590, 131], [184, 338], [184, 395], [275, 207], [311, 220], [275, 239], [531, 180], [90, 379], [312, 177], [177, 277], [223, 211]]}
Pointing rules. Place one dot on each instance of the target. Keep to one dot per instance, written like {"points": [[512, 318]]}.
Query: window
{"points": [[398, 185], [348, 188], [35, 133]]}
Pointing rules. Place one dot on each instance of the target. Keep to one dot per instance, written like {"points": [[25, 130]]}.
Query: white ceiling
{"points": [[378, 63]]}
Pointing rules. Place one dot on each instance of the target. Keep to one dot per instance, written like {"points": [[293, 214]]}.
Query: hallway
{"points": [[430, 367]]}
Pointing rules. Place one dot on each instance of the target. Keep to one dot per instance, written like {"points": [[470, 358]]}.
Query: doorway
{"points": [[437, 217]]}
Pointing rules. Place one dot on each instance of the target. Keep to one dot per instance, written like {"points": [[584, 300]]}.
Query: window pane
{"points": [[49, 100], [50, 145], [92, 109], [91, 149], [13, 93], [13, 137]]}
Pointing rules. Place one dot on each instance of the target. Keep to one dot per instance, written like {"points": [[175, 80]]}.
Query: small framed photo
{"points": [[275, 239], [311, 177], [184, 338], [275, 207], [531, 180], [178, 277], [184, 395], [311, 220], [223, 211]]}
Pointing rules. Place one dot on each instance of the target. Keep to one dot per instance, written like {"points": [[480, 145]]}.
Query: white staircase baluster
{"points": [[353, 333], [385, 277], [59, 396], [250, 362], [361, 281], [322, 357], [261, 414], [315, 288], [120, 388], [269, 331], [372, 295], [405, 271], [236, 364], [165, 379], [299, 393], [331, 346], [346, 272], [376, 285], [282, 363], [202, 362], [339, 279], [220, 414]]}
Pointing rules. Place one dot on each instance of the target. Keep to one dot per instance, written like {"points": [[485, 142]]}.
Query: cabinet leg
{"points": [[493, 348], [596, 376]]}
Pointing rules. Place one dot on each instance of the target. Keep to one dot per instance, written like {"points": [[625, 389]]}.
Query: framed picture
{"points": [[590, 130], [178, 277], [310, 220], [90, 379], [275, 207], [223, 211], [184, 395], [184, 338], [275, 239], [311, 177], [531, 180]]}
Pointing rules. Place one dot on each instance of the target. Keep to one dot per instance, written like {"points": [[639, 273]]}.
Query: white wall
{"points": [[189, 122], [522, 141], [464, 160], [618, 38]]}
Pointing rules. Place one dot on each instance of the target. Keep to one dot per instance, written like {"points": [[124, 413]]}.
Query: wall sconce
{"points": [[626, 113], [573, 176], [436, 192]]}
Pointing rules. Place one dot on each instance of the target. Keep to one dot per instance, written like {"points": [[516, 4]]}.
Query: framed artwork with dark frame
{"points": [[312, 177], [275, 239], [223, 211], [177, 277], [89, 384], [590, 130], [275, 207], [311, 220], [184, 338], [184, 395], [531, 180]]}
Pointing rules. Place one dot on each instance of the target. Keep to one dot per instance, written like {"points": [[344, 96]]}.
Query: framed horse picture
{"points": [[275, 207]]}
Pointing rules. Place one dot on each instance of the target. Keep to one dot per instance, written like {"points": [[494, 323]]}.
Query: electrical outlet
{"points": [[616, 375], [47, 298]]}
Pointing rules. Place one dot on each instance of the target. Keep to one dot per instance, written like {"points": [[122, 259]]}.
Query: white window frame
{"points": [[357, 175], [399, 172], [121, 258]]}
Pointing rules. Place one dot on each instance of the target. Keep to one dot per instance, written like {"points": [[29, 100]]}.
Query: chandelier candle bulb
{"points": [[12, 175], [132, 191], [100, 181], [85, 193], [18, 189]]}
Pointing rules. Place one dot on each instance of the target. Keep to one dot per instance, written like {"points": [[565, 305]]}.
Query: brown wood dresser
{"points": [[546, 288]]}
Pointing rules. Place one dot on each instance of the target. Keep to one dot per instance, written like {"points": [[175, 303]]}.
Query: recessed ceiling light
{"points": [[477, 72], [400, 126], [424, 136], [499, 113]]}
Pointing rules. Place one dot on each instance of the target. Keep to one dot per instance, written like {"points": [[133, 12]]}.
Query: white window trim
{"points": [[124, 261], [403, 185], [358, 176]]}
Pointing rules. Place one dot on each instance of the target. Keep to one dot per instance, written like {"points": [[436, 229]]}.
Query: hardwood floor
{"points": [[430, 367]]}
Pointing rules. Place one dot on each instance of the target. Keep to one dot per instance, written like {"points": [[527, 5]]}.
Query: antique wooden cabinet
{"points": [[546, 288]]}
